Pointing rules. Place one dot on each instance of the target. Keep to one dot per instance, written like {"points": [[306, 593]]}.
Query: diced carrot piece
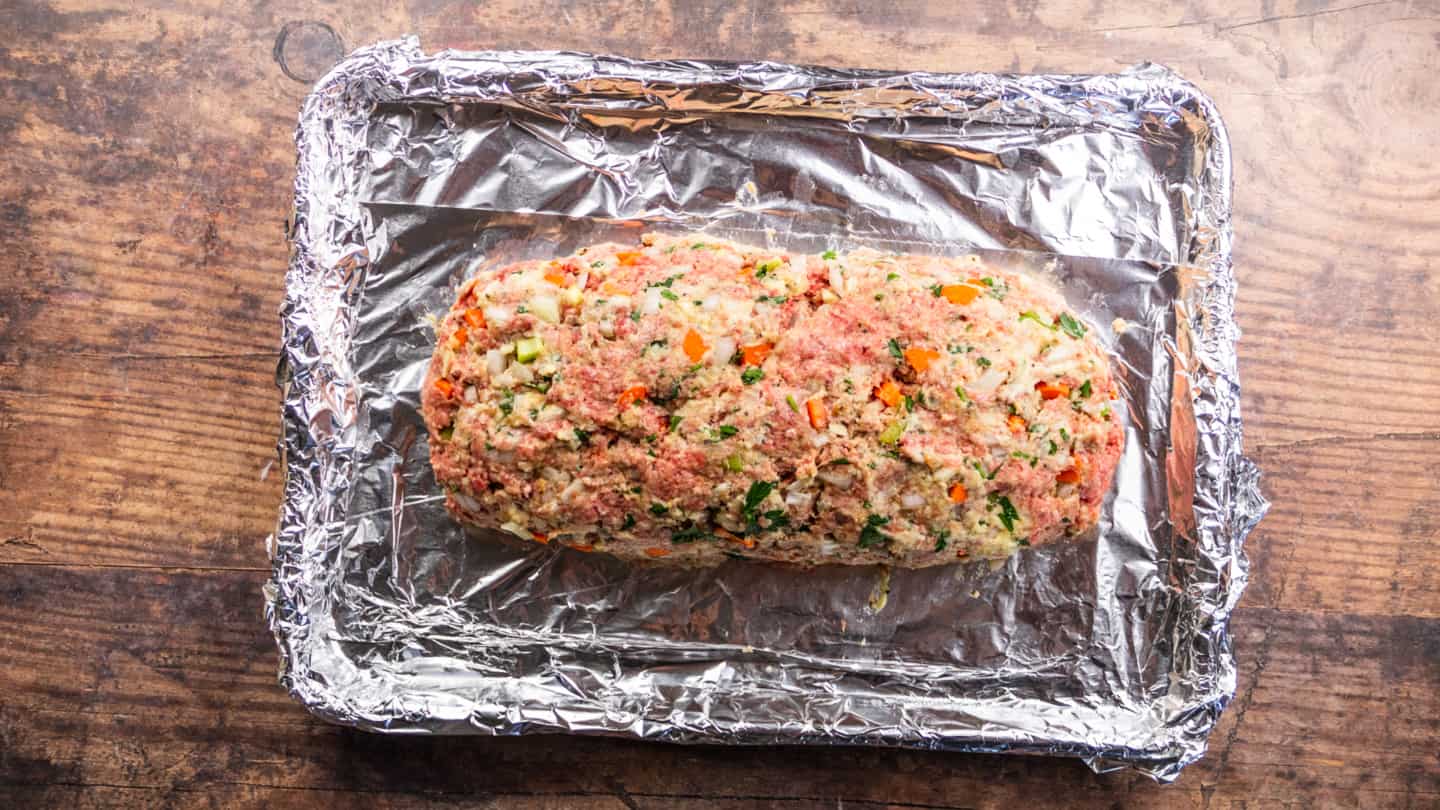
{"points": [[1052, 390], [540, 537], [1080, 465], [960, 293], [1070, 476], [958, 493], [475, 317], [756, 354], [694, 346], [586, 547], [920, 358], [889, 393], [818, 413], [555, 277], [459, 338], [1016, 423], [631, 396], [657, 552], [627, 257], [445, 387]]}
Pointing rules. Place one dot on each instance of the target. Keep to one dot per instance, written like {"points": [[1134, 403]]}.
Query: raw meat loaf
{"points": [[689, 400]]}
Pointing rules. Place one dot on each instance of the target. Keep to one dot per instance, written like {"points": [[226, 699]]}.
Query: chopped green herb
{"points": [[956, 348], [756, 495], [447, 433], [1053, 447], [838, 461], [1071, 326], [1025, 457], [893, 346], [773, 299], [982, 362], [1064, 434], [522, 309], [600, 263], [870, 534], [891, 277], [699, 246], [997, 289], [668, 295], [1105, 412], [601, 300], [828, 255], [751, 375], [629, 522], [635, 490], [658, 509], [942, 540], [507, 402], [1008, 513], [849, 385], [909, 403], [635, 315], [1085, 390], [1024, 541], [582, 436], [988, 476], [920, 398], [766, 267], [726, 431], [935, 290], [777, 518], [734, 463], [651, 438], [1029, 315], [662, 343], [879, 296], [698, 303], [675, 420], [960, 392], [790, 400], [667, 282]]}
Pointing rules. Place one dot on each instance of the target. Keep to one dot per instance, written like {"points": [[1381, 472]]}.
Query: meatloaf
{"points": [[688, 399]]}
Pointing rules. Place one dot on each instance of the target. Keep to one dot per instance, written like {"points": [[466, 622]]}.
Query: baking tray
{"points": [[416, 171]]}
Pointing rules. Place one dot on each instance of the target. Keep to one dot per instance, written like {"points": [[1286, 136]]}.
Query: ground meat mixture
{"points": [[688, 399]]}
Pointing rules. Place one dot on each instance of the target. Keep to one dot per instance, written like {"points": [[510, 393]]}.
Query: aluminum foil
{"points": [[418, 170]]}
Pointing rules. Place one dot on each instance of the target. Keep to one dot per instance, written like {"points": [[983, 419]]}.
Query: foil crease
{"points": [[417, 170]]}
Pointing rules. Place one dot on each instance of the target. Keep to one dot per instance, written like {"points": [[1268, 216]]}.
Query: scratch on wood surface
{"points": [[1317, 13], [1341, 438]]}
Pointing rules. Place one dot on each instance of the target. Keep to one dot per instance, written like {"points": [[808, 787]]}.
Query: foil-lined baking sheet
{"points": [[417, 171]]}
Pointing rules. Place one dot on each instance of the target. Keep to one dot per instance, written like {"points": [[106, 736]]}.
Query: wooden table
{"points": [[147, 162]]}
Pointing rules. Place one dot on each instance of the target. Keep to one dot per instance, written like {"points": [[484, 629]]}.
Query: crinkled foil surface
{"points": [[418, 170]]}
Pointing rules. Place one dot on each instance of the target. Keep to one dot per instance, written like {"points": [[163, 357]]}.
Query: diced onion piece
{"points": [[607, 328], [837, 279], [799, 500], [551, 412], [546, 308], [521, 373], [572, 296], [651, 304], [722, 350], [910, 500], [986, 385], [818, 439], [494, 362], [471, 395], [499, 316], [797, 263], [836, 478], [709, 303]]}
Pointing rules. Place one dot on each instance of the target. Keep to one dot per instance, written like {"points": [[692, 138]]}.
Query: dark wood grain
{"points": [[144, 179]]}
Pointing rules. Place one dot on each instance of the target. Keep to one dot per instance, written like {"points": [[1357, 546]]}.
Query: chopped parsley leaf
{"points": [[1105, 412], [1071, 326], [1024, 541], [982, 362], [942, 540], [988, 476], [689, 535], [1053, 447], [650, 438], [997, 289], [935, 290], [447, 433], [891, 276], [675, 420], [756, 495], [839, 461], [960, 392], [597, 263], [773, 299], [751, 375], [629, 522], [1064, 434], [790, 400], [726, 431], [582, 436], [849, 385], [658, 509], [894, 348], [879, 296], [699, 246], [667, 282], [909, 403], [522, 309], [668, 295], [1085, 390], [1008, 513], [507, 402], [1029, 315], [635, 315], [734, 463], [956, 348], [870, 534], [777, 518], [828, 255]]}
